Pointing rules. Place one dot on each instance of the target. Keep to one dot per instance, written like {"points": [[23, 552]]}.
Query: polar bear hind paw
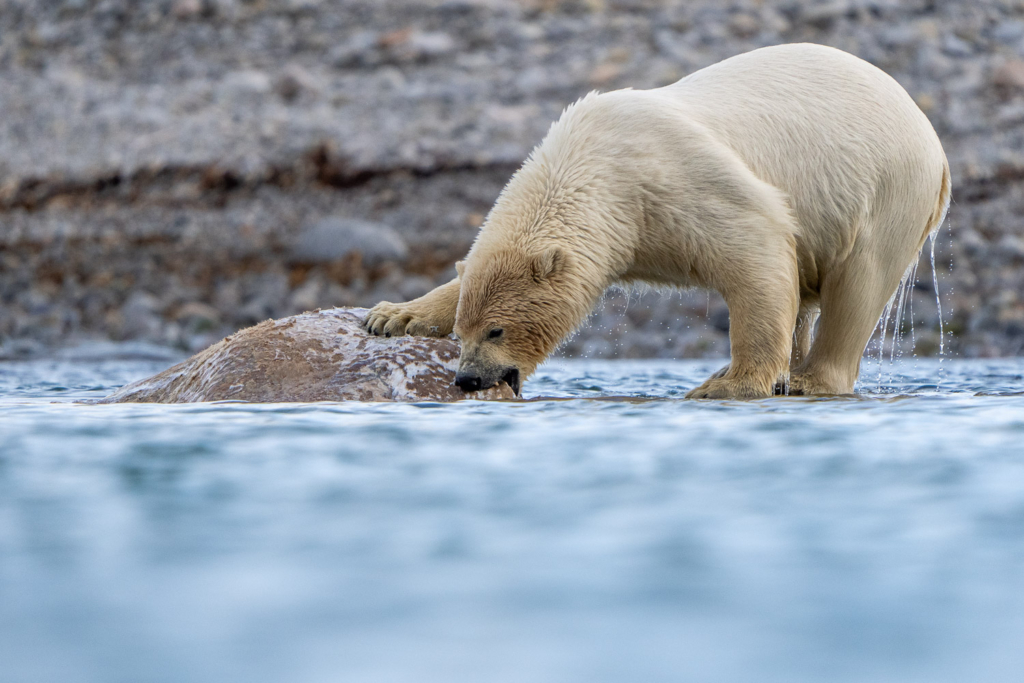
{"points": [[806, 385]]}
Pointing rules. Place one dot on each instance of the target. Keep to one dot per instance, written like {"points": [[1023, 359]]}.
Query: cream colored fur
{"points": [[793, 180]]}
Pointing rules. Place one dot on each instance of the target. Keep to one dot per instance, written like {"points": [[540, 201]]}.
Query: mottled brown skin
{"points": [[318, 356]]}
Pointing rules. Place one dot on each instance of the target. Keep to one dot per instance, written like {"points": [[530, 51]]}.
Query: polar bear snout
{"points": [[471, 379], [468, 382]]}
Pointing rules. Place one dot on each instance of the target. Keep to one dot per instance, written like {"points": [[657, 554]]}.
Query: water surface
{"points": [[638, 537]]}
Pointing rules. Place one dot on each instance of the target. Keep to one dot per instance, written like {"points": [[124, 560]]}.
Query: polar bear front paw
{"points": [[395, 320], [719, 387]]}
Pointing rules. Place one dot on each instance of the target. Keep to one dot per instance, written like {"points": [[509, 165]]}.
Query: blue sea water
{"points": [[611, 532]]}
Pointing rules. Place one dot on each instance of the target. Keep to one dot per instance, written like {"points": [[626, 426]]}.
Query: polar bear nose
{"points": [[468, 382]]}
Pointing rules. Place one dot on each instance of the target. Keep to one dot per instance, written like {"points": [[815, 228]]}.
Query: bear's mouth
{"points": [[511, 378]]}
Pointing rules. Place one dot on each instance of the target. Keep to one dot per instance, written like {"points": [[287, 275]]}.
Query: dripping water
{"points": [[884, 322], [938, 305], [897, 308], [938, 299], [913, 283], [906, 286], [899, 298]]}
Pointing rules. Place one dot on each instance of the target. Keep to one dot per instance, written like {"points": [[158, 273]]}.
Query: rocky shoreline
{"points": [[174, 171]]}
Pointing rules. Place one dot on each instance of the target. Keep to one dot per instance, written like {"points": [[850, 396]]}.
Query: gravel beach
{"points": [[173, 171]]}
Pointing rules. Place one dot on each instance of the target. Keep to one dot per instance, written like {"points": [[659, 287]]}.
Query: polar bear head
{"points": [[515, 306]]}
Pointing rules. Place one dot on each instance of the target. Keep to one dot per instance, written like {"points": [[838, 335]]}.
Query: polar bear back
{"points": [[845, 141]]}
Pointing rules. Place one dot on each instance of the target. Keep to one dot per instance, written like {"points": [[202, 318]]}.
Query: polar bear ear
{"points": [[547, 263], [460, 267]]}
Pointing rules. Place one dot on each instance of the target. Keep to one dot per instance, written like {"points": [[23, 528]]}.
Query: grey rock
{"points": [[333, 239], [35, 301], [1009, 75], [140, 316], [415, 286], [899, 36], [254, 311], [823, 14], [956, 47], [293, 82], [360, 49], [1008, 32], [425, 45], [1011, 247], [186, 9], [1010, 114], [247, 83], [308, 296]]}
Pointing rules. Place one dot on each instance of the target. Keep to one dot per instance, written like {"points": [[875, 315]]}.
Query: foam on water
{"points": [[613, 533]]}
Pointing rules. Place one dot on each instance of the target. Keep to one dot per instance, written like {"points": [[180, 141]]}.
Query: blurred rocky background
{"points": [[172, 170]]}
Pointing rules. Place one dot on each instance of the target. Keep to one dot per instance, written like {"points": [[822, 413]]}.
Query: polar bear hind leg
{"points": [[855, 294], [853, 298]]}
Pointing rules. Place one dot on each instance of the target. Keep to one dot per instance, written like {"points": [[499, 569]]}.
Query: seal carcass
{"points": [[315, 356]]}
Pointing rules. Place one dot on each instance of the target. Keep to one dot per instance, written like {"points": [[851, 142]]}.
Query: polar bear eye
{"points": [[495, 333]]}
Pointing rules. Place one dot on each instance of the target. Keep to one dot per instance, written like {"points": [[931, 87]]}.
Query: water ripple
{"points": [[603, 530]]}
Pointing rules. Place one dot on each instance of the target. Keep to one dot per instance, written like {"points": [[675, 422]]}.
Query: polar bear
{"points": [[796, 180]]}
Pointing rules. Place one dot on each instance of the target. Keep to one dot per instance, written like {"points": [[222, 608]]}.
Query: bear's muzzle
{"points": [[469, 380]]}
